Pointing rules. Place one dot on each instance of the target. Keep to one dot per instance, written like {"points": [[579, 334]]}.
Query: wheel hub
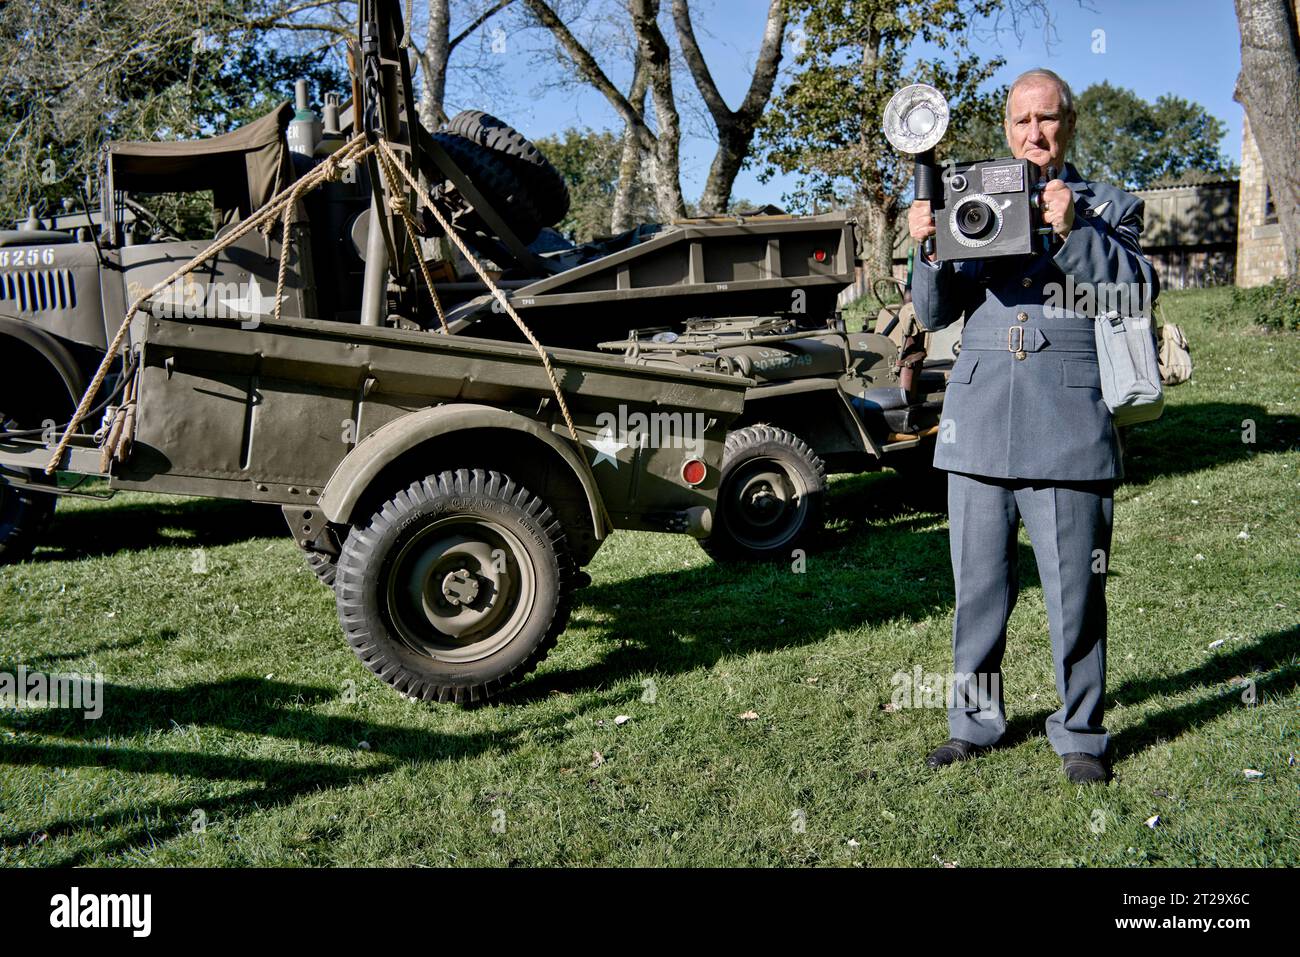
{"points": [[460, 587], [767, 503]]}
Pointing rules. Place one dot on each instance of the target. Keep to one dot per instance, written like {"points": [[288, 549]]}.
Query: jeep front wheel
{"points": [[771, 497], [456, 587]]}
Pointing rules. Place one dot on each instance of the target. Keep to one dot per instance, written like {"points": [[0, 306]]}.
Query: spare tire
{"points": [[498, 183], [541, 178]]}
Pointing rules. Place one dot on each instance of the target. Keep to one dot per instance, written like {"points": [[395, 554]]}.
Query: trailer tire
{"points": [[540, 177], [24, 516], [456, 587], [771, 497], [500, 185]]}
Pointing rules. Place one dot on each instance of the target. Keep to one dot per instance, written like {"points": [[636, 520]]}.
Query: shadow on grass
{"points": [[238, 705], [1271, 662], [129, 526], [878, 560], [1192, 438]]}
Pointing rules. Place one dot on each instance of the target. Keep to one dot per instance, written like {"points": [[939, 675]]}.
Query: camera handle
{"points": [[925, 185], [1046, 232]]}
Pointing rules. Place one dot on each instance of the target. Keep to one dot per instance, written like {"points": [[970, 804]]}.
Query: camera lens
{"points": [[974, 219]]}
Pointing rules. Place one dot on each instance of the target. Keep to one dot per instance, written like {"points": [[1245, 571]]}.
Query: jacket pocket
{"points": [[1081, 374], [964, 368]]}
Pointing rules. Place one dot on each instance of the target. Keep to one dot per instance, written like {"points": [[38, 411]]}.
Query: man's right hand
{"points": [[920, 221]]}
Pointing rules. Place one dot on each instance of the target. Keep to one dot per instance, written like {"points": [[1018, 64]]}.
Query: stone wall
{"points": [[1259, 244]]}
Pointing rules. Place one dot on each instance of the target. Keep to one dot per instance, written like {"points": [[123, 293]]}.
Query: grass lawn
{"points": [[239, 729]]}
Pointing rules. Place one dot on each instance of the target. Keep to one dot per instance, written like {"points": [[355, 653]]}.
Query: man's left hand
{"points": [[1058, 207]]}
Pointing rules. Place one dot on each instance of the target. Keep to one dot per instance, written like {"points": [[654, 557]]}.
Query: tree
{"points": [[652, 71], [589, 161], [80, 74], [825, 125], [735, 127], [1269, 90], [1124, 140], [653, 67], [335, 21]]}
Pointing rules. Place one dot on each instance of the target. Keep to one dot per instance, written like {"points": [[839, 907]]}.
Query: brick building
{"points": [[1260, 257]]}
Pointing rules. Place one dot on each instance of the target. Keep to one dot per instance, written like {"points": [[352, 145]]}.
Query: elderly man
{"points": [[1025, 435]]}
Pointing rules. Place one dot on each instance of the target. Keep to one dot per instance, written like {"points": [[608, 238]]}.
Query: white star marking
{"points": [[607, 448], [253, 303]]}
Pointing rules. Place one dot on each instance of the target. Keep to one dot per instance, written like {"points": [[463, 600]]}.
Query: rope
{"points": [[353, 151], [402, 208], [387, 151], [281, 205]]}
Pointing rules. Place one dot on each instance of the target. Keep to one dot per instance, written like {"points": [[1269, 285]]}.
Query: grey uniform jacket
{"points": [[1024, 399]]}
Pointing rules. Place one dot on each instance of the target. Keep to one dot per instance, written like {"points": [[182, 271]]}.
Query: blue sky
{"points": [[1187, 47]]}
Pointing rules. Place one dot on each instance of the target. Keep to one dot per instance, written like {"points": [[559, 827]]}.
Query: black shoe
{"points": [[952, 750], [1084, 768]]}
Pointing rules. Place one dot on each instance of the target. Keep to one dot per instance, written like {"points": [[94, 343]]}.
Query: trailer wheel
{"points": [[499, 184], [541, 178], [771, 499], [456, 587], [24, 515]]}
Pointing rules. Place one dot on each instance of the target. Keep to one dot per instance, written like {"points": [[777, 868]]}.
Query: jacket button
{"points": [[1026, 282], [1022, 317]]}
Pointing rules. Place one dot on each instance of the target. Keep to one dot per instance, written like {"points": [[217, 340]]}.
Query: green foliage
{"points": [[825, 125], [80, 74], [589, 163], [1274, 306], [1124, 140]]}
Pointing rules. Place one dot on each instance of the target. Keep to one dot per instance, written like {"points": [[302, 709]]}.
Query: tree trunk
{"points": [[735, 127], [1269, 90], [733, 149], [629, 165], [880, 226], [654, 54], [433, 65]]}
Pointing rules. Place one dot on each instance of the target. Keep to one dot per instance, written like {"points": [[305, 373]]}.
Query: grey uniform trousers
{"points": [[1069, 525]]}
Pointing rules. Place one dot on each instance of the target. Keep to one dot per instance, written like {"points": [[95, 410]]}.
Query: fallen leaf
{"points": [[597, 759], [622, 719], [1217, 642], [749, 716], [1152, 821], [853, 842]]}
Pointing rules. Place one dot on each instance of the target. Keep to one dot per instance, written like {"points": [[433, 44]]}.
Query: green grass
{"points": [[232, 699]]}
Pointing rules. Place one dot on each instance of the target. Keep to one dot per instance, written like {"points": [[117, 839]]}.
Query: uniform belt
{"points": [[1018, 338]]}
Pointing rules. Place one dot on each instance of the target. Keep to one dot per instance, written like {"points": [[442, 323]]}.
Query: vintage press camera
{"points": [[981, 210]]}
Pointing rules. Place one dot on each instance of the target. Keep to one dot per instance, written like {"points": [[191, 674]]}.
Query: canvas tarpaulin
{"points": [[243, 168]]}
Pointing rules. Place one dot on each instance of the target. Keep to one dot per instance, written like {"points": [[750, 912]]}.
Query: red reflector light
{"points": [[819, 255], [694, 472]]}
